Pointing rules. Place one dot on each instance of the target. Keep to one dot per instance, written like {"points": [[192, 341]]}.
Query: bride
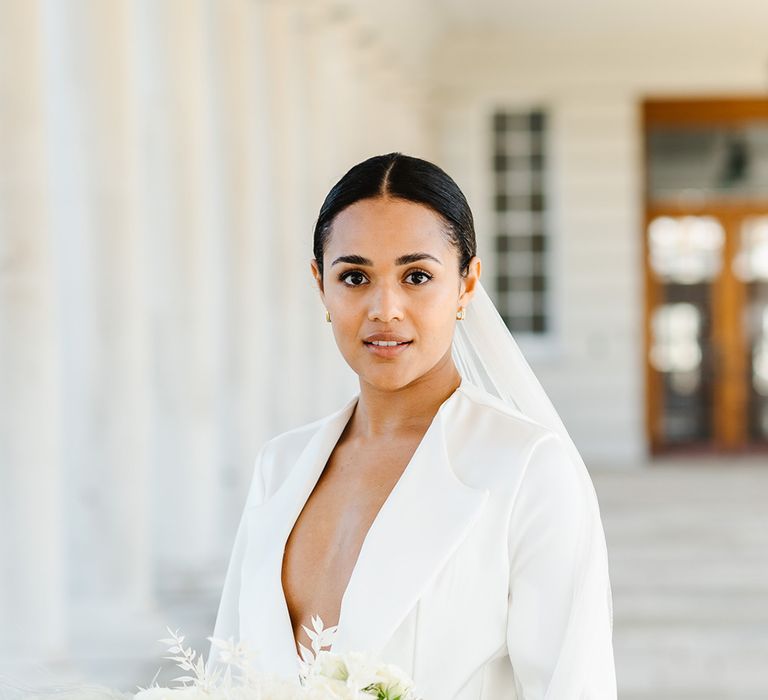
{"points": [[442, 518]]}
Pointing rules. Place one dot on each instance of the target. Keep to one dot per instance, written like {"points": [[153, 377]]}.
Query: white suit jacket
{"points": [[483, 576]]}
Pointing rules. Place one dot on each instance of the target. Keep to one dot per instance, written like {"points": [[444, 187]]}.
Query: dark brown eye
{"points": [[421, 274], [351, 274]]}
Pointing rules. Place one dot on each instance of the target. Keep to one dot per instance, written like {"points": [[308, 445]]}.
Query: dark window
{"points": [[518, 163]]}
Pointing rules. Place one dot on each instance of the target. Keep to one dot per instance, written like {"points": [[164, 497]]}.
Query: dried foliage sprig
{"points": [[320, 637], [187, 659]]}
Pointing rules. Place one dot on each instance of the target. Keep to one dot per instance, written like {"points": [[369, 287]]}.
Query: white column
{"points": [[32, 584], [181, 214], [254, 301], [240, 224], [292, 389], [102, 340]]}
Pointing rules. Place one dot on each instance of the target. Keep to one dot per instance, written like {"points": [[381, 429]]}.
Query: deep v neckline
{"points": [[325, 458]]}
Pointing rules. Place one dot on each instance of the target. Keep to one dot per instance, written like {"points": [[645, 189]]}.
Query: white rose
{"points": [[365, 670], [324, 688], [361, 669], [330, 665], [394, 679], [274, 687]]}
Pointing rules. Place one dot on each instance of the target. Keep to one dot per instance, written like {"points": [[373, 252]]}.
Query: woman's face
{"points": [[389, 269]]}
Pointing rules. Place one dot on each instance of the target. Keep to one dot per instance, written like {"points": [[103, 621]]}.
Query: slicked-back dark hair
{"points": [[405, 177]]}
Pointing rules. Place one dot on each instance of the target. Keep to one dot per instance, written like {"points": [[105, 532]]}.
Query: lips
{"points": [[387, 350], [386, 336], [386, 343]]}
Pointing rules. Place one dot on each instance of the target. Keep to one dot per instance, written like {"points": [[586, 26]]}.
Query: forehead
{"points": [[383, 224]]}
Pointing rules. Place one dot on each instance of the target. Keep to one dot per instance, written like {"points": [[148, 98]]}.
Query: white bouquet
{"points": [[324, 675]]}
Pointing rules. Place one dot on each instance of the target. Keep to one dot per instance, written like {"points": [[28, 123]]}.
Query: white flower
{"points": [[273, 687], [330, 665], [367, 673], [394, 680], [324, 688], [361, 669]]}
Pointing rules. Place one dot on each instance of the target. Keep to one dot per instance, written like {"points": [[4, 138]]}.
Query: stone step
{"points": [[691, 573], [642, 607], [691, 660], [687, 546]]}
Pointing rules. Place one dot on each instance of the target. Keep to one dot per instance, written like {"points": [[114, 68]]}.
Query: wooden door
{"points": [[706, 274]]}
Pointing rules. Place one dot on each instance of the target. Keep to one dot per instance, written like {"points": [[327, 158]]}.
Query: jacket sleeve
{"points": [[560, 617], [227, 618]]}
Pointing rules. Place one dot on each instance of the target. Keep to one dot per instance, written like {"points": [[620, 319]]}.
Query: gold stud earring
{"points": [[327, 315], [460, 314]]}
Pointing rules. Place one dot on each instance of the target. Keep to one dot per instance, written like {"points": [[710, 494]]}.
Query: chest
{"points": [[325, 541]]}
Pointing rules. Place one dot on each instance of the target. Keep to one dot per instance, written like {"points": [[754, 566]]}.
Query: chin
{"points": [[388, 381]]}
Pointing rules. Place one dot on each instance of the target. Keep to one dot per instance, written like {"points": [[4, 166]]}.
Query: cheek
{"points": [[436, 321], [442, 327], [347, 319], [441, 307]]}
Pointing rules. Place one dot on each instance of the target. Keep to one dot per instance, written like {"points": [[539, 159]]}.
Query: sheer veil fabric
{"points": [[487, 355]]}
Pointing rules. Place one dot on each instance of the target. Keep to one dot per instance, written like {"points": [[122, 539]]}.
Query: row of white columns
{"points": [[163, 165]]}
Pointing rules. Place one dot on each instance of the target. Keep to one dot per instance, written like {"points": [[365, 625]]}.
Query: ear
{"points": [[318, 278], [469, 282]]}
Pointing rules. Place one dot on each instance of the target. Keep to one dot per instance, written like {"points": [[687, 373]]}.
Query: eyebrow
{"points": [[402, 260]]}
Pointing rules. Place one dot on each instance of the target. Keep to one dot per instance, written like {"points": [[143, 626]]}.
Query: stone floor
{"points": [[688, 554]]}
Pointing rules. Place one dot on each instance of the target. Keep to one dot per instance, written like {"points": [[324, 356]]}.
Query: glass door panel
{"points": [[750, 265], [690, 163], [686, 256]]}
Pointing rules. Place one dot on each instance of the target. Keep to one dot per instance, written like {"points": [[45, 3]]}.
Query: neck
{"points": [[382, 413]]}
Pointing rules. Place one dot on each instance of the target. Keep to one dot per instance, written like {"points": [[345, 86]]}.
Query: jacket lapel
{"points": [[410, 539], [426, 517], [265, 623]]}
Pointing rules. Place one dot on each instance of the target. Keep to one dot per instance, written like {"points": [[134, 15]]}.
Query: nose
{"points": [[385, 304]]}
